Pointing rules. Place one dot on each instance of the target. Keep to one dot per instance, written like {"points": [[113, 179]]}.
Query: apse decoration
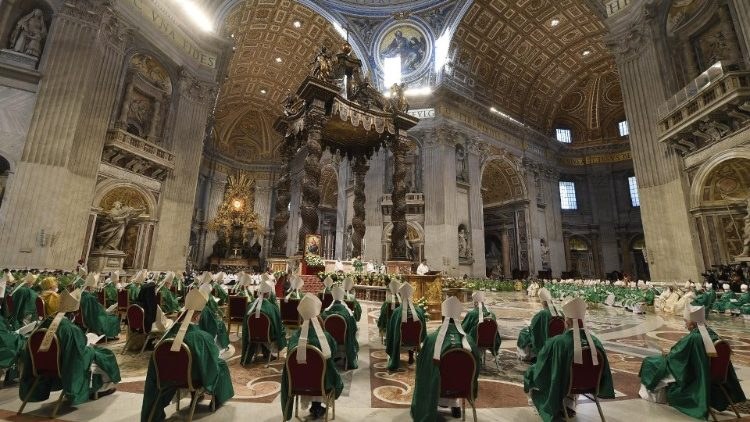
{"points": [[236, 217], [407, 41]]}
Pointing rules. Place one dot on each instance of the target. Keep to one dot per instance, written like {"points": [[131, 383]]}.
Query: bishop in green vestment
{"points": [[276, 332], [351, 297], [387, 308], [472, 320], [24, 302], [339, 307], [11, 345], [531, 339], [405, 312], [682, 377], [207, 368], [211, 321], [548, 379], [735, 307], [311, 333], [169, 303], [94, 315], [85, 369], [450, 335]]}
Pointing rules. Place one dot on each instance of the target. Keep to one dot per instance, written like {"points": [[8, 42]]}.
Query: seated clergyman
{"points": [[311, 333], [339, 307], [450, 335], [85, 370], [682, 377], [405, 312], [207, 368], [262, 305], [49, 296], [531, 339], [386, 309], [94, 315], [547, 381], [476, 316]]}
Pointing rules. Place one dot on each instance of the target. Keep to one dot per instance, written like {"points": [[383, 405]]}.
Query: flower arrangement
{"points": [[278, 274], [453, 283], [357, 264], [421, 303], [314, 261], [496, 285]]}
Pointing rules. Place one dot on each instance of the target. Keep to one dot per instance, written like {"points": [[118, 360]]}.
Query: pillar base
{"points": [[106, 260]]}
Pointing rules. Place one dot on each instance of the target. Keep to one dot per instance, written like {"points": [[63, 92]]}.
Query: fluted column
{"points": [[742, 14], [311, 181], [195, 100], [48, 203], [642, 59], [476, 211], [358, 219], [216, 186], [262, 208]]}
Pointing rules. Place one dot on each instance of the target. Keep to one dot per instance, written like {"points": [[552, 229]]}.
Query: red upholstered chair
{"points": [[555, 326], [40, 311], [123, 301], [719, 365], [411, 335], [137, 327], [289, 313], [457, 368], [173, 370], [260, 333], [487, 338], [43, 365], [236, 312], [585, 379], [335, 325], [308, 379], [388, 315]]}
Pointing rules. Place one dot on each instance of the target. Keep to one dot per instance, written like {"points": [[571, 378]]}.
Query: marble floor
{"points": [[371, 392]]}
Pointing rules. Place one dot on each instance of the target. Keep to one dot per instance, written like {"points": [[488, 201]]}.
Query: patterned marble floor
{"points": [[371, 391]]}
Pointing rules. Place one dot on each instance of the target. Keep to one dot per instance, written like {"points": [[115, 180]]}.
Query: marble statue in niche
{"points": [[29, 34], [113, 224], [462, 173], [545, 254], [464, 244]]}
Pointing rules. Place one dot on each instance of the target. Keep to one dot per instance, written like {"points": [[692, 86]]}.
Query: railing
{"points": [[691, 90], [411, 198], [138, 146]]}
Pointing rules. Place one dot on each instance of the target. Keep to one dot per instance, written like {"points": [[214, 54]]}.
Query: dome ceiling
{"points": [[523, 56]]}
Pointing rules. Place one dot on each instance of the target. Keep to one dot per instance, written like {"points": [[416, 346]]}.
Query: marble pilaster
{"points": [[216, 184], [476, 214], [342, 208]]}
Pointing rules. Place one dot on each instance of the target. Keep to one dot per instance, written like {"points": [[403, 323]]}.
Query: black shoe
{"points": [[95, 396], [456, 412], [411, 358]]}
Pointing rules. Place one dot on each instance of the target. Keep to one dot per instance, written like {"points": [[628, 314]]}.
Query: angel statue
{"points": [[745, 196], [29, 33], [322, 66], [398, 98], [113, 224]]}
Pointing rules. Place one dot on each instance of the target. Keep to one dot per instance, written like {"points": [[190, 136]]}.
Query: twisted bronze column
{"points": [[283, 196], [399, 148], [358, 220], [311, 180]]}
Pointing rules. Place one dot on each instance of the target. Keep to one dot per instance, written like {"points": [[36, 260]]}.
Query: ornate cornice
{"points": [[195, 89]]}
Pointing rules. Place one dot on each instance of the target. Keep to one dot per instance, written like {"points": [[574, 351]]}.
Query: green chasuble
{"points": [[276, 330], [169, 303], [133, 290], [96, 318], [332, 378], [384, 317], [352, 345], [393, 335], [11, 344], [722, 304], [688, 363], [24, 305], [207, 370], [110, 293], [424, 402], [220, 293], [548, 379], [471, 324], [536, 334], [357, 308], [75, 366], [211, 322], [742, 300]]}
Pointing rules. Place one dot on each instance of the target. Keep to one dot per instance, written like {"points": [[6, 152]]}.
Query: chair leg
{"points": [[179, 397], [270, 352], [156, 403], [296, 406], [496, 361], [565, 412], [28, 395], [713, 415], [127, 342], [599, 407], [473, 409], [729, 399], [57, 405], [193, 402], [145, 342], [463, 409]]}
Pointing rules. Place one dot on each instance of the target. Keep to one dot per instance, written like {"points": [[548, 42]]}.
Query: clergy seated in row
{"points": [[450, 335], [478, 314], [110, 287], [723, 303], [243, 285], [24, 302], [743, 303], [531, 339], [11, 345], [135, 285], [327, 286], [685, 300], [351, 297], [311, 333], [402, 314], [295, 286], [87, 371], [270, 280], [49, 296], [387, 308], [682, 376], [218, 288], [338, 307], [211, 319], [548, 380], [533, 289], [667, 299], [169, 303], [262, 305], [207, 368], [95, 317]]}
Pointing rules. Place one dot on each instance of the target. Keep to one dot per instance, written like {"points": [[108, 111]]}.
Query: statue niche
{"points": [[29, 34], [146, 99]]}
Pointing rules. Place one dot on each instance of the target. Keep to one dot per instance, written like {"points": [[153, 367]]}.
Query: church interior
{"points": [[494, 210]]}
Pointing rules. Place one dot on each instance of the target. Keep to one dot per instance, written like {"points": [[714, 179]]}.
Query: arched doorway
{"points": [[414, 241], [580, 257], [720, 198], [640, 266], [505, 214]]}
